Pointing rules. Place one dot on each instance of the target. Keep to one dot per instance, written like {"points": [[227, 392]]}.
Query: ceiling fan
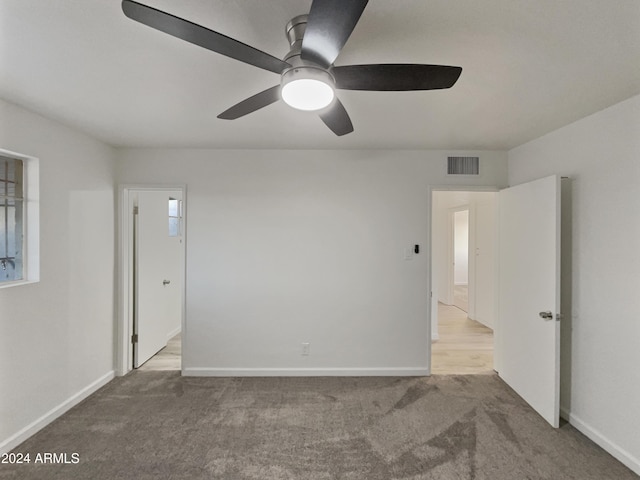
{"points": [[308, 76]]}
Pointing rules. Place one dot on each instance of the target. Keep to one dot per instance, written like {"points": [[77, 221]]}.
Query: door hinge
{"points": [[135, 210], [134, 338]]}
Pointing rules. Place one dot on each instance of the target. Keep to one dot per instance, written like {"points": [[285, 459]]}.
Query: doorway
{"points": [[529, 267], [463, 279], [152, 281]]}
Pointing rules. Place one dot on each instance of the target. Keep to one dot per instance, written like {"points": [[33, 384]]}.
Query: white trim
{"points": [[19, 437], [616, 451], [172, 334], [123, 347], [17, 283], [307, 372]]}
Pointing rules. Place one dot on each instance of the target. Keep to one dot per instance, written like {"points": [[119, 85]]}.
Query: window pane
{"points": [[11, 242], [10, 177], [174, 217], [173, 207], [10, 251], [11, 220], [174, 226], [3, 237]]}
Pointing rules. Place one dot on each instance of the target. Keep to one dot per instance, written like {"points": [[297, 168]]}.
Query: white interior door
{"points": [[157, 274], [529, 289]]}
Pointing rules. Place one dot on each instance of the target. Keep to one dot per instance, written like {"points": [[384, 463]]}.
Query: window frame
{"points": [[30, 219]]}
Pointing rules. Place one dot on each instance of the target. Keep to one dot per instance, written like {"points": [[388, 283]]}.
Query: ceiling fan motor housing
{"points": [[295, 32]]}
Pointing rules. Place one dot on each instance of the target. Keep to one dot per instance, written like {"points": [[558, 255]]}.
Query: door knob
{"points": [[546, 315], [166, 282]]}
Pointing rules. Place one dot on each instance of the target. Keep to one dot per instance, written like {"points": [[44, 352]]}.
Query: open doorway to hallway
{"points": [[464, 268]]}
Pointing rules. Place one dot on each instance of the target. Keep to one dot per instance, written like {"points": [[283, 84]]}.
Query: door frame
{"points": [[125, 270], [430, 310]]}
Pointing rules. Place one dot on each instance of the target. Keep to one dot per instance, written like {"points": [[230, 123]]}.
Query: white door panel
{"points": [[157, 274], [529, 284]]}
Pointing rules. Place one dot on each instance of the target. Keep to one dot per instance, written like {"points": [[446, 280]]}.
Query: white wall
{"points": [[461, 247], [484, 251], [601, 337], [56, 336], [285, 247]]}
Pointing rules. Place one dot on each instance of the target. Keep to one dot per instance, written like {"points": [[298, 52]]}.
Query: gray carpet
{"points": [[158, 425]]}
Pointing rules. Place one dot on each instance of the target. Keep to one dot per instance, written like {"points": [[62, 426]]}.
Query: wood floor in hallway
{"points": [[169, 358], [464, 345]]}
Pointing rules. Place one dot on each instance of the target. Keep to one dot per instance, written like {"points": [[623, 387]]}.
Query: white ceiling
{"points": [[529, 67]]}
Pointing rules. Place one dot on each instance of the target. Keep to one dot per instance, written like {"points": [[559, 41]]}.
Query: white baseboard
{"points": [[482, 321], [619, 453], [19, 437], [306, 372], [173, 333]]}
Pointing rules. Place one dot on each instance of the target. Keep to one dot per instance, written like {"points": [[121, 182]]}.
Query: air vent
{"points": [[463, 166]]}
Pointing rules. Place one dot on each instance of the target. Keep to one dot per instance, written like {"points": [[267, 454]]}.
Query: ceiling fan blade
{"points": [[251, 104], [395, 77], [201, 36], [337, 119], [329, 25]]}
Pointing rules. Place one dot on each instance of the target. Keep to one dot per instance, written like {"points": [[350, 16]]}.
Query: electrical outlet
{"points": [[305, 348]]}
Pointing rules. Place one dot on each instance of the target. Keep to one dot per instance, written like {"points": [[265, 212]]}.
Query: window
{"points": [[174, 217], [11, 219], [19, 213]]}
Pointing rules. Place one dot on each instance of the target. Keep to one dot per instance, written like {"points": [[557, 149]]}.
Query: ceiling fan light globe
{"points": [[307, 94], [307, 88]]}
